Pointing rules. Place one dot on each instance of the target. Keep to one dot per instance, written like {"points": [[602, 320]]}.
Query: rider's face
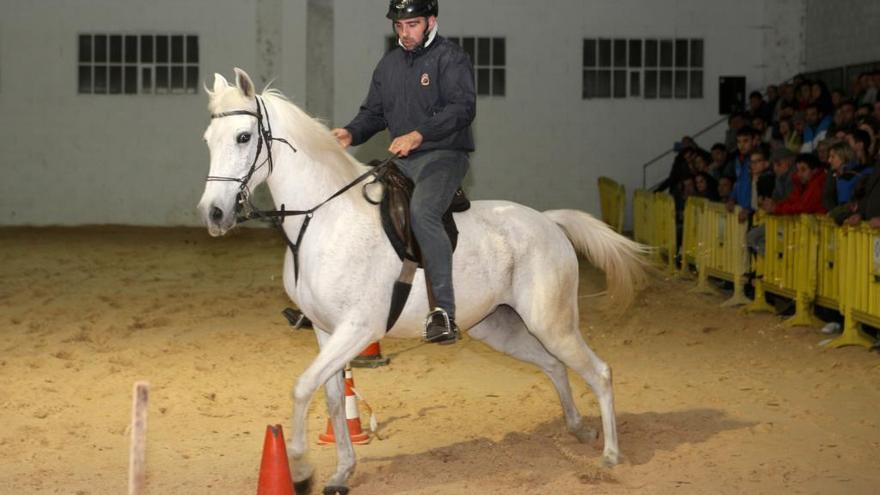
{"points": [[412, 32]]}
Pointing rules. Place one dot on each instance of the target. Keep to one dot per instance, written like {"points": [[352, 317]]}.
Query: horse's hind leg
{"points": [[505, 331], [555, 325]]}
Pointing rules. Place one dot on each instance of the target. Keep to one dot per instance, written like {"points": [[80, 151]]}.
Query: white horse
{"points": [[515, 269]]}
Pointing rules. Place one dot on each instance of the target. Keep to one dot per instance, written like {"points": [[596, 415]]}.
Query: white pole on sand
{"points": [[137, 469]]}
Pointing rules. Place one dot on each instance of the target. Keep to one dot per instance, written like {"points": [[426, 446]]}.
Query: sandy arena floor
{"points": [[708, 400]]}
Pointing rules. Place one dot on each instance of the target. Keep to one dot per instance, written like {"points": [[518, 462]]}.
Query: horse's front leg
{"points": [[337, 349]]}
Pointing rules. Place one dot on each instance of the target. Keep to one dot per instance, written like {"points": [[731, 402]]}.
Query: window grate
{"points": [[138, 64], [643, 68]]}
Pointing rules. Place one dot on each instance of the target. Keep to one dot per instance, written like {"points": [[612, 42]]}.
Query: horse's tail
{"points": [[622, 260]]}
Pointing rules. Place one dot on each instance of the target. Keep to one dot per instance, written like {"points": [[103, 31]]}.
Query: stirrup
{"points": [[440, 328]]}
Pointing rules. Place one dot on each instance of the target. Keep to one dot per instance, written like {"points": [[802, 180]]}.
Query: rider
{"points": [[424, 94]]}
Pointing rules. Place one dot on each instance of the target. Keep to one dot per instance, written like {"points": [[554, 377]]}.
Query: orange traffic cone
{"points": [[371, 357], [358, 435], [274, 470]]}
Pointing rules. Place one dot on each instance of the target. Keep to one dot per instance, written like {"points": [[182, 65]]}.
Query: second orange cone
{"points": [[352, 416]]}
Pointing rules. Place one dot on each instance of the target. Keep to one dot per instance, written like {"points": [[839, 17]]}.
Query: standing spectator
{"points": [[735, 122], [719, 160], [816, 128], [868, 207], [804, 95], [741, 173], [725, 188], [860, 142], [764, 131], [807, 194], [706, 186], [822, 151]]}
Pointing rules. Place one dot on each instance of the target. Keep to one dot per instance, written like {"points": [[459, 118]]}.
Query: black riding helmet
{"points": [[407, 9]]}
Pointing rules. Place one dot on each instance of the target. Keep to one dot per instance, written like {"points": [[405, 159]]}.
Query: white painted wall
{"points": [[542, 144], [80, 159], [842, 32], [70, 159]]}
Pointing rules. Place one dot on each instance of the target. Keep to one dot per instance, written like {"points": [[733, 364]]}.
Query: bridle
{"points": [[245, 210], [264, 129]]}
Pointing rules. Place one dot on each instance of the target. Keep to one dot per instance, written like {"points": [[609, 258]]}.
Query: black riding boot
{"points": [[440, 328]]}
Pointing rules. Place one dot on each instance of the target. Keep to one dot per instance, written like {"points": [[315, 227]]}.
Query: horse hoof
{"points": [[303, 487], [585, 435], [610, 460], [335, 490]]}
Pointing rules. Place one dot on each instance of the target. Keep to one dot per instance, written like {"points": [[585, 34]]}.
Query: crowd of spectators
{"points": [[802, 148]]}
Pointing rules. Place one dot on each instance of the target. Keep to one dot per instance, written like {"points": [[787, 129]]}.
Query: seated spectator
{"points": [[783, 167], [820, 95], [790, 138], [764, 131], [706, 186], [842, 180], [847, 109], [867, 90], [816, 128], [822, 151], [735, 122], [837, 96], [860, 142], [719, 160], [806, 197], [863, 112], [804, 94], [725, 188], [758, 107], [782, 160]]}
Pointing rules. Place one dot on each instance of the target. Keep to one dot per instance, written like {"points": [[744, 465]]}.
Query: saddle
{"points": [[394, 209]]}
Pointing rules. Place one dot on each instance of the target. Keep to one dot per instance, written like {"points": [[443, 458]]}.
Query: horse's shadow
{"points": [[547, 452]]}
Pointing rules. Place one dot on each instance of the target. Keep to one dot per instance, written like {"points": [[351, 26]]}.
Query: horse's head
{"points": [[237, 148]]}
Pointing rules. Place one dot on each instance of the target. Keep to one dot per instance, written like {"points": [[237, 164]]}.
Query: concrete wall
{"points": [[841, 32], [73, 159], [542, 144]]}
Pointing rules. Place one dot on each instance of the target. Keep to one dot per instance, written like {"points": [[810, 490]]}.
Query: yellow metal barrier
{"points": [[642, 221], [721, 251], [664, 228], [789, 266], [654, 224], [612, 199], [828, 274], [690, 236], [859, 284]]}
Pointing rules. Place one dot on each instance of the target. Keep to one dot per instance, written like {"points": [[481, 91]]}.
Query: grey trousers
{"points": [[437, 174]]}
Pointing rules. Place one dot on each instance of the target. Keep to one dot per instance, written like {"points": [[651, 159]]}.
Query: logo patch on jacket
{"points": [[426, 80]]}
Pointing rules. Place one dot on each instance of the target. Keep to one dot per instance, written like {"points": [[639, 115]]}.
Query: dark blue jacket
{"points": [[742, 188], [430, 91]]}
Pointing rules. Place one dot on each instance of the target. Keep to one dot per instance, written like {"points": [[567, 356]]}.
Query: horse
{"points": [[515, 269]]}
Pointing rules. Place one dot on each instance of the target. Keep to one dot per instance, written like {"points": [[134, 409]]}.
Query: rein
{"points": [[252, 212]]}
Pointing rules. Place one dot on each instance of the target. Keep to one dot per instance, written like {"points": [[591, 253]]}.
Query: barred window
{"points": [[649, 68], [138, 64], [489, 56]]}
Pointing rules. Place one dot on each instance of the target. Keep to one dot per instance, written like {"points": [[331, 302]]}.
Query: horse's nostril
{"points": [[216, 214]]}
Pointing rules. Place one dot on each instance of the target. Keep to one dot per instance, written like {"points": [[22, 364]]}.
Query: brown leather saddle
{"points": [[394, 208]]}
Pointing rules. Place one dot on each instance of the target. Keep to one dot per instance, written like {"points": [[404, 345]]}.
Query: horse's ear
{"points": [[244, 83], [220, 83]]}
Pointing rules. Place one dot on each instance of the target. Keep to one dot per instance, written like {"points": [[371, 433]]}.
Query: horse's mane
{"points": [[312, 137]]}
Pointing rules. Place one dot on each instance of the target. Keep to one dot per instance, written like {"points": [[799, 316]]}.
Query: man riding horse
{"points": [[423, 93]]}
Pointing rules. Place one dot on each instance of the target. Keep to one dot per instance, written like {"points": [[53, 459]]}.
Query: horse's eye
{"points": [[243, 137]]}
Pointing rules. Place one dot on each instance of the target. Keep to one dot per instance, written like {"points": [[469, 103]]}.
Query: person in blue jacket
{"points": [[423, 93]]}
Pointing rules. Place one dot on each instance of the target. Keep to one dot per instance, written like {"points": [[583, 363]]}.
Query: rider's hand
{"points": [[343, 136], [403, 145]]}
